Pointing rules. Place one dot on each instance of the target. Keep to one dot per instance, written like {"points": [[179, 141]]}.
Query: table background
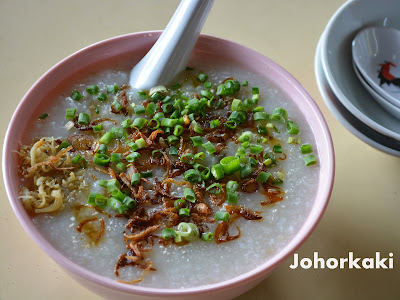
{"points": [[363, 214]]}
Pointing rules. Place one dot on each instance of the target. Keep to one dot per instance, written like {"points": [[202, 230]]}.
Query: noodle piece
{"points": [[149, 266]]}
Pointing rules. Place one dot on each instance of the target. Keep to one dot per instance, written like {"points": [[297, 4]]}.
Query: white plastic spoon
{"points": [[171, 52]]}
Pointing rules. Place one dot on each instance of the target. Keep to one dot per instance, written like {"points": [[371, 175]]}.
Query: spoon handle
{"points": [[171, 52]]}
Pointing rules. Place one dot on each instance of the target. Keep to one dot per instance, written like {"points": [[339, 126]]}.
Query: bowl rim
{"points": [[333, 82], [317, 210]]}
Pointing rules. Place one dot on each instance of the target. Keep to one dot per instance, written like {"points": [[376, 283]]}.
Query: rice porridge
{"points": [[180, 186]]}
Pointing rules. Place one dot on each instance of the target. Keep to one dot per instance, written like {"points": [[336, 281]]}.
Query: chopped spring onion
{"points": [[76, 95], [199, 156], [139, 110], [129, 202], [294, 140], [97, 128], [310, 159], [236, 105], [118, 133], [238, 116], [63, 145], [256, 94], [157, 153], [306, 148], [173, 150], [139, 123], [292, 127], [169, 122], [92, 89], [232, 197], [102, 97], [230, 124], [106, 138], [157, 96], [151, 108], [102, 149], [184, 212], [135, 178], [97, 199], [120, 167], [153, 124], [43, 116], [189, 195], [158, 89], [209, 147], [186, 231], [262, 130], [80, 161], [178, 130], [176, 86], [279, 115], [253, 162], [117, 205], [102, 183], [272, 126], [259, 115], [197, 140], [245, 83], [207, 85], [113, 184], [101, 159], [217, 171], [277, 149], [214, 123], [246, 136], [222, 216], [196, 127], [147, 174], [117, 194], [126, 123], [267, 162], [207, 236], [70, 113], [193, 176], [112, 89], [187, 158], [202, 77], [214, 188], [168, 233], [117, 106], [180, 203], [263, 176], [115, 157], [132, 156], [230, 164], [232, 186], [245, 171], [255, 149], [172, 139], [141, 143], [206, 93], [83, 119]]}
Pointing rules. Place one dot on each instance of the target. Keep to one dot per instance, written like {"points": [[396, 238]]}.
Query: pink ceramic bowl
{"points": [[131, 48]]}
